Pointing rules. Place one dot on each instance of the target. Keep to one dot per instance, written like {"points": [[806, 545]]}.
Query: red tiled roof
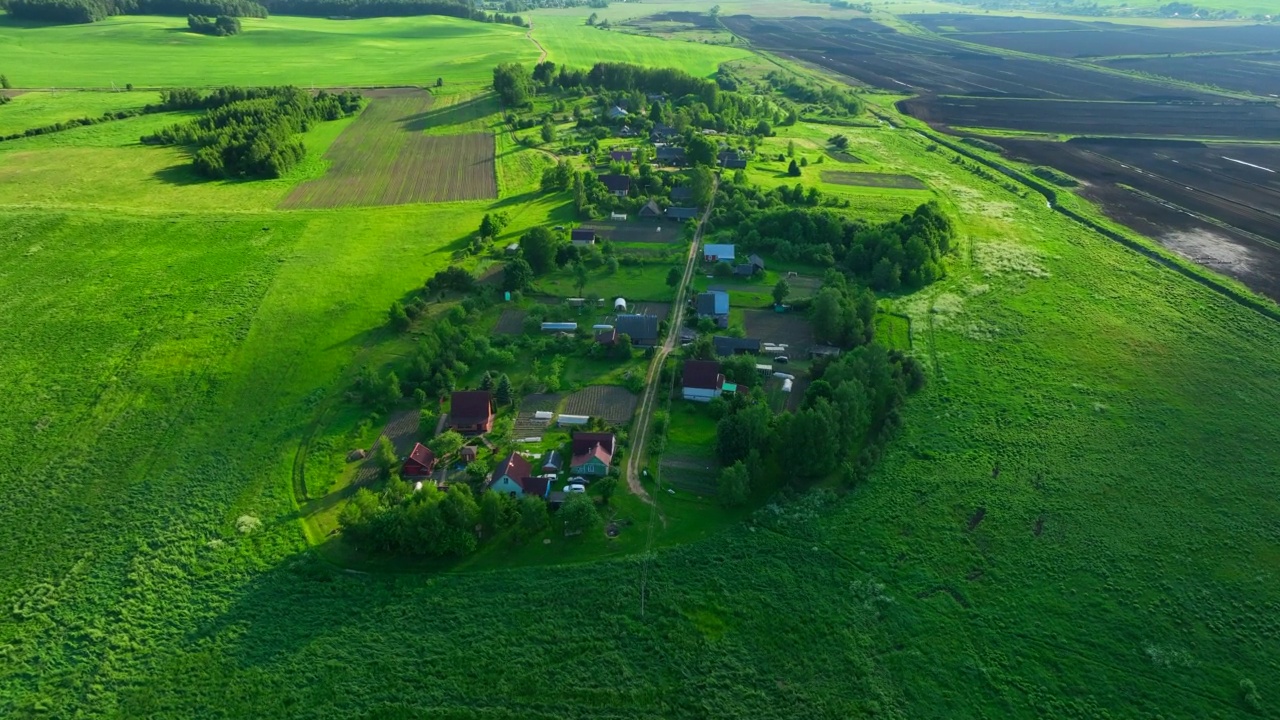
{"points": [[513, 466], [535, 486], [592, 445], [470, 407], [702, 374], [422, 454]]}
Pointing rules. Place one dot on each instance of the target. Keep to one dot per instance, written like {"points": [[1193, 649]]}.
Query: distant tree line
{"points": [[220, 26], [387, 8], [87, 11], [255, 138]]}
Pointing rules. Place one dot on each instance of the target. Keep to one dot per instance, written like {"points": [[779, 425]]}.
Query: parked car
{"points": [[782, 359], [578, 479], [575, 488]]}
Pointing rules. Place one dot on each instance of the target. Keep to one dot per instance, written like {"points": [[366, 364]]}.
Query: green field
{"points": [[1078, 520], [32, 110]]}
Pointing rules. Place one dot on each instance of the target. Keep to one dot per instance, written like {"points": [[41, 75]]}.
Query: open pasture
{"points": [[881, 57], [876, 180], [615, 404], [156, 52], [1252, 73], [383, 159], [37, 109], [1244, 121]]}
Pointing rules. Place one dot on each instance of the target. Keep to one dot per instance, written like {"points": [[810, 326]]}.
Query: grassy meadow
{"points": [[1078, 520]]}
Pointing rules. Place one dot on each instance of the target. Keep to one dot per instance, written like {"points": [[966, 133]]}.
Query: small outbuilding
{"points": [[582, 237], [716, 252], [620, 305], [420, 463]]}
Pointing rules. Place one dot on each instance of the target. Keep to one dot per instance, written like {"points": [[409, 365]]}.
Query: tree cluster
{"points": [[514, 84], [424, 522], [387, 8], [220, 26], [87, 11], [255, 138]]}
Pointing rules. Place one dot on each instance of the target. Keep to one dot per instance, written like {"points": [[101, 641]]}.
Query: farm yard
{"points": [[382, 159], [616, 405]]}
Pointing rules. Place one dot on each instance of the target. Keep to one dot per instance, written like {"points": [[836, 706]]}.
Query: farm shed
{"points": [[508, 473], [592, 453], [620, 217], [552, 462], [559, 326], [420, 463], [467, 454], [471, 411], [513, 249], [583, 238], [617, 185], [735, 346], [702, 380], [607, 336], [642, 329], [651, 210], [713, 252], [573, 419], [616, 112], [823, 351]]}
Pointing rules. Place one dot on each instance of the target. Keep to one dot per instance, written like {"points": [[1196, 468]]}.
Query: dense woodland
{"points": [[87, 11], [254, 137]]}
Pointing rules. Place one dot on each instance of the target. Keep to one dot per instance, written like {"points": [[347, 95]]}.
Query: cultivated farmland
{"points": [[380, 159], [1255, 73], [616, 405], [879, 180], [1105, 39]]}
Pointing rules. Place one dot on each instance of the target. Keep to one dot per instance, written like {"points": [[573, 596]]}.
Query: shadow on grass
{"points": [[180, 175], [473, 109]]}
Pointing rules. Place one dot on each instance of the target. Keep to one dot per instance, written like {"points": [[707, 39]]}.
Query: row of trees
{"points": [[220, 26], [255, 138], [87, 11]]}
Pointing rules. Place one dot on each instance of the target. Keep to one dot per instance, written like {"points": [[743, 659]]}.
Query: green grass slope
{"points": [[158, 51], [1078, 521]]}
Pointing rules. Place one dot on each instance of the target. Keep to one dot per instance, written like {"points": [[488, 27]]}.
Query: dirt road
{"points": [[650, 398]]}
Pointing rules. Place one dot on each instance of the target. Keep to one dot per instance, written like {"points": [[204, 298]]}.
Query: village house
{"points": [[702, 380], [642, 329], [713, 252], [671, 155], [713, 305], [651, 210], [513, 475], [621, 156], [552, 462], [471, 411], [735, 346], [592, 454], [582, 237], [615, 113], [753, 265], [617, 185], [682, 213], [681, 194], [420, 463]]}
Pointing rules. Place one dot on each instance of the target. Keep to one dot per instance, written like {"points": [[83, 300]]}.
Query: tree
{"points": [[702, 348], [793, 169], [611, 265], [487, 229], [673, 277], [4, 82], [439, 82], [386, 457], [513, 83], [533, 515], [517, 275], [828, 320], [763, 129], [701, 183], [579, 513], [701, 150], [548, 131], [840, 142], [780, 292], [791, 148], [622, 346], [804, 162], [538, 247], [398, 317], [738, 432], [714, 11], [502, 394], [497, 511], [607, 486], [734, 485], [486, 381], [592, 18], [580, 276], [446, 443], [722, 270]]}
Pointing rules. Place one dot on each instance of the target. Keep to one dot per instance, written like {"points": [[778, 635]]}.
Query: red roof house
{"points": [[471, 411], [420, 463], [702, 380], [592, 453]]}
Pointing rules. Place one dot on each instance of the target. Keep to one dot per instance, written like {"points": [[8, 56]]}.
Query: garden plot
{"points": [[526, 422], [689, 473], [788, 329], [616, 405], [648, 231], [511, 322], [402, 432], [876, 180]]}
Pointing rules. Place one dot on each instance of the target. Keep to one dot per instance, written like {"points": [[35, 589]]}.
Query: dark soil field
{"points": [[963, 22], [1245, 121], [881, 57], [880, 180], [647, 231], [1258, 74], [616, 405], [1211, 208], [1109, 40], [790, 329], [382, 159]]}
